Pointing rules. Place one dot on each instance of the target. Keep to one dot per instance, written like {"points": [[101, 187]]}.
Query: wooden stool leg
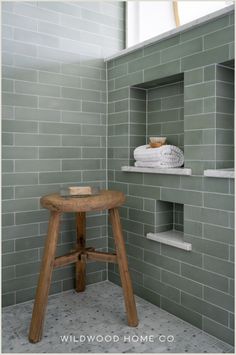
{"points": [[123, 267], [41, 298], [80, 268]]}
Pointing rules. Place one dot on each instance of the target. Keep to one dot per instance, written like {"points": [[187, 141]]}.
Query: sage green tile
{"points": [[181, 312], [162, 289], [145, 191], [192, 258], [36, 139], [8, 273], [19, 126], [203, 152], [180, 196], [7, 139], [59, 153], [220, 234], [158, 180], [81, 164], [224, 151], [7, 85], [201, 90], [19, 257], [218, 266], [80, 141], [219, 201], [141, 216], [36, 165], [193, 76], [59, 128], [93, 175], [59, 79], [206, 215], [231, 320], [182, 50], [31, 217], [209, 247], [36, 89], [193, 107], [210, 104], [224, 105], [8, 299], [7, 166], [216, 185], [14, 232], [29, 243], [224, 137], [162, 44], [172, 128], [59, 104], [30, 114], [162, 70], [8, 246], [204, 277], [117, 71], [132, 226], [59, 177], [217, 330], [144, 62], [193, 228], [146, 244], [204, 58], [210, 72], [163, 116], [203, 307], [7, 112], [17, 73], [204, 28], [19, 179], [181, 283], [19, 100], [93, 130], [35, 191], [225, 89], [129, 79], [7, 193], [149, 205], [20, 205], [162, 261], [218, 38], [7, 219]]}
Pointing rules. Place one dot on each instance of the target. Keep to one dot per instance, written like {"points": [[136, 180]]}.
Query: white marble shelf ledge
{"points": [[167, 171], [171, 237], [220, 173]]}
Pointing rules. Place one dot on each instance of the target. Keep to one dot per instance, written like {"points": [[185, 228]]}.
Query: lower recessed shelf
{"points": [[171, 237], [167, 171]]}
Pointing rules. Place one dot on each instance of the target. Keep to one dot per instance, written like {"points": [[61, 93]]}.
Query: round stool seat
{"points": [[105, 199]]}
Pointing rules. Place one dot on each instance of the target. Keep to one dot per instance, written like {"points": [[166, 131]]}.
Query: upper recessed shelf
{"points": [[166, 171], [220, 173]]}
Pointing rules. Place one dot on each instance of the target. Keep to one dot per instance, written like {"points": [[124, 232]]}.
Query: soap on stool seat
{"points": [[57, 205]]}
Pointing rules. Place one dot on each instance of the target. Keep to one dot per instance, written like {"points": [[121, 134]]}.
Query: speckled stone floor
{"points": [[98, 313]]}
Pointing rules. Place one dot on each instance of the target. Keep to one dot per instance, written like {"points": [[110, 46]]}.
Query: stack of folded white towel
{"points": [[166, 156]]}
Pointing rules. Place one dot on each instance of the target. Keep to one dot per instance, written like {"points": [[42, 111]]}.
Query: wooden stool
{"points": [[57, 205]]}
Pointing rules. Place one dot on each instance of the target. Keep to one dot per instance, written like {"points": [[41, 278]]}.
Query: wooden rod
{"points": [[100, 256], [176, 13], [66, 259]]}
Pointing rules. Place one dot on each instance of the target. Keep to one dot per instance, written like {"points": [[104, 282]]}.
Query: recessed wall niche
{"points": [[157, 109]]}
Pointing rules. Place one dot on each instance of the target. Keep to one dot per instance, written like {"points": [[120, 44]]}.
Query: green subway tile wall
{"points": [[54, 128], [181, 87]]}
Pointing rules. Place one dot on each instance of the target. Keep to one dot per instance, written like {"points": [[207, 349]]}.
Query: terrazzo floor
{"points": [[99, 312]]}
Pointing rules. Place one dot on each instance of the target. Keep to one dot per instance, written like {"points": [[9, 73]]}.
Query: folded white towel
{"points": [[168, 156]]}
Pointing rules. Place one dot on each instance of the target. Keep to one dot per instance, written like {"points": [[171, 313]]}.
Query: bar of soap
{"points": [[80, 190]]}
